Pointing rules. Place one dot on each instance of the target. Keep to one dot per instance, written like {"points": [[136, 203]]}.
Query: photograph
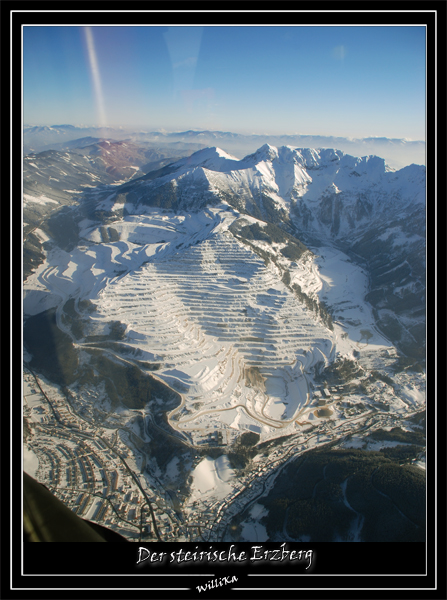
{"points": [[223, 296]]}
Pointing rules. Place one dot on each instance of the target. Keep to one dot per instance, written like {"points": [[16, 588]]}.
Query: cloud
{"points": [[339, 52]]}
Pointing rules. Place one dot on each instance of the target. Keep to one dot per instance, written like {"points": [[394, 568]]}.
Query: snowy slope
{"points": [[211, 307], [301, 178], [373, 212]]}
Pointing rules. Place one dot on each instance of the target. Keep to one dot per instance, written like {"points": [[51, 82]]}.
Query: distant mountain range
{"points": [[397, 152]]}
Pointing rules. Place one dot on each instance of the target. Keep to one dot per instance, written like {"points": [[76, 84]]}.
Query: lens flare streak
{"points": [[96, 78]]}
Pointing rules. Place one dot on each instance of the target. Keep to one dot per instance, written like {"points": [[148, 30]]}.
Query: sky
{"points": [[360, 81]]}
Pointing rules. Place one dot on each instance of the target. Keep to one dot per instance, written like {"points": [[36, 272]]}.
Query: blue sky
{"points": [[343, 81]]}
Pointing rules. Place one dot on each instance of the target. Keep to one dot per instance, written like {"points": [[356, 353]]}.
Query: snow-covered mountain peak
{"points": [[322, 190], [373, 166], [307, 158], [214, 159], [265, 153], [269, 157]]}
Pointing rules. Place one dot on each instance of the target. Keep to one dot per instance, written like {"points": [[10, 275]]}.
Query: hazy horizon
{"points": [[170, 130]]}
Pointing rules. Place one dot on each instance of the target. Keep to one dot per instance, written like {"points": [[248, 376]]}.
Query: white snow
{"points": [[30, 461], [339, 283], [212, 478], [37, 199]]}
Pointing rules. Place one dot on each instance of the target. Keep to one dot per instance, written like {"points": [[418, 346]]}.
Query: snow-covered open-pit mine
{"points": [[207, 316], [221, 327]]}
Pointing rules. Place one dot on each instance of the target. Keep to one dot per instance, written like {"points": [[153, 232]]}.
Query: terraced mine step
{"points": [[197, 310]]}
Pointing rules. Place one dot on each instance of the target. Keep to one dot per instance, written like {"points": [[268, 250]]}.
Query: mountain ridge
{"points": [[317, 195], [398, 152]]}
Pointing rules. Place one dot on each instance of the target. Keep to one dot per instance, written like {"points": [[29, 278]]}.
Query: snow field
{"points": [[212, 479], [27, 199], [334, 279]]}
